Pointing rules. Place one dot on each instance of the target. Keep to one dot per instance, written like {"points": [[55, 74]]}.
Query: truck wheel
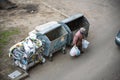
{"points": [[50, 58], [63, 50]]}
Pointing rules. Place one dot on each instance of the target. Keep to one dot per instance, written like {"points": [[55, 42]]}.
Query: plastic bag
{"points": [[74, 51], [29, 46], [85, 43]]}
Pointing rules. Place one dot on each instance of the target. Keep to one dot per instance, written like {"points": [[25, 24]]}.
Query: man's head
{"points": [[82, 30]]}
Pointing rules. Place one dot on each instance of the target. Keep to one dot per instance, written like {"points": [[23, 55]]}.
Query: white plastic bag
{"points": [[85, 43], [74, 51], [29, 46]]}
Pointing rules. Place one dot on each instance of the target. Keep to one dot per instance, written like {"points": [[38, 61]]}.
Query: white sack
{"points": [[74, 51], [85, 43]]}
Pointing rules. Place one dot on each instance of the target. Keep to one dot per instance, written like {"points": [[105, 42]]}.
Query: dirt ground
{"points": [[101, 60], [98, 63], [25, 17]]}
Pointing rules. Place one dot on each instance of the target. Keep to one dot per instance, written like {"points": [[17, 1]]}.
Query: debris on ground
{"points": [[22, 19]]}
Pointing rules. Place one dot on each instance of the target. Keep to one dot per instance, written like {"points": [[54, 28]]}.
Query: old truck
{"points": [[58, 35], [47, 39]]}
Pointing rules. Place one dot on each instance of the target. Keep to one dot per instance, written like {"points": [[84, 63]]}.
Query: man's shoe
{"points": [[82, 51]]}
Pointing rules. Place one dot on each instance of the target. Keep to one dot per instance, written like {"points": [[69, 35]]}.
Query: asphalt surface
{"points": [[101, 61]]}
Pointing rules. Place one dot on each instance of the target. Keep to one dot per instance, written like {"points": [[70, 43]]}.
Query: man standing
{"points": [[77, 40]]}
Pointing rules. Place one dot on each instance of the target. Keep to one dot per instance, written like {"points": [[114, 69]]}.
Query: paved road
{"points": [[101, 61]]}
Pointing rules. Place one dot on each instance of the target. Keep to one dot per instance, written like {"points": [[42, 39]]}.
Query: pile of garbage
{"points": [[28, 52]]}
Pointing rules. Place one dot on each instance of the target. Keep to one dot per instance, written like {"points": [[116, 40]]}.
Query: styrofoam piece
{"points": [[15, 74]]}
